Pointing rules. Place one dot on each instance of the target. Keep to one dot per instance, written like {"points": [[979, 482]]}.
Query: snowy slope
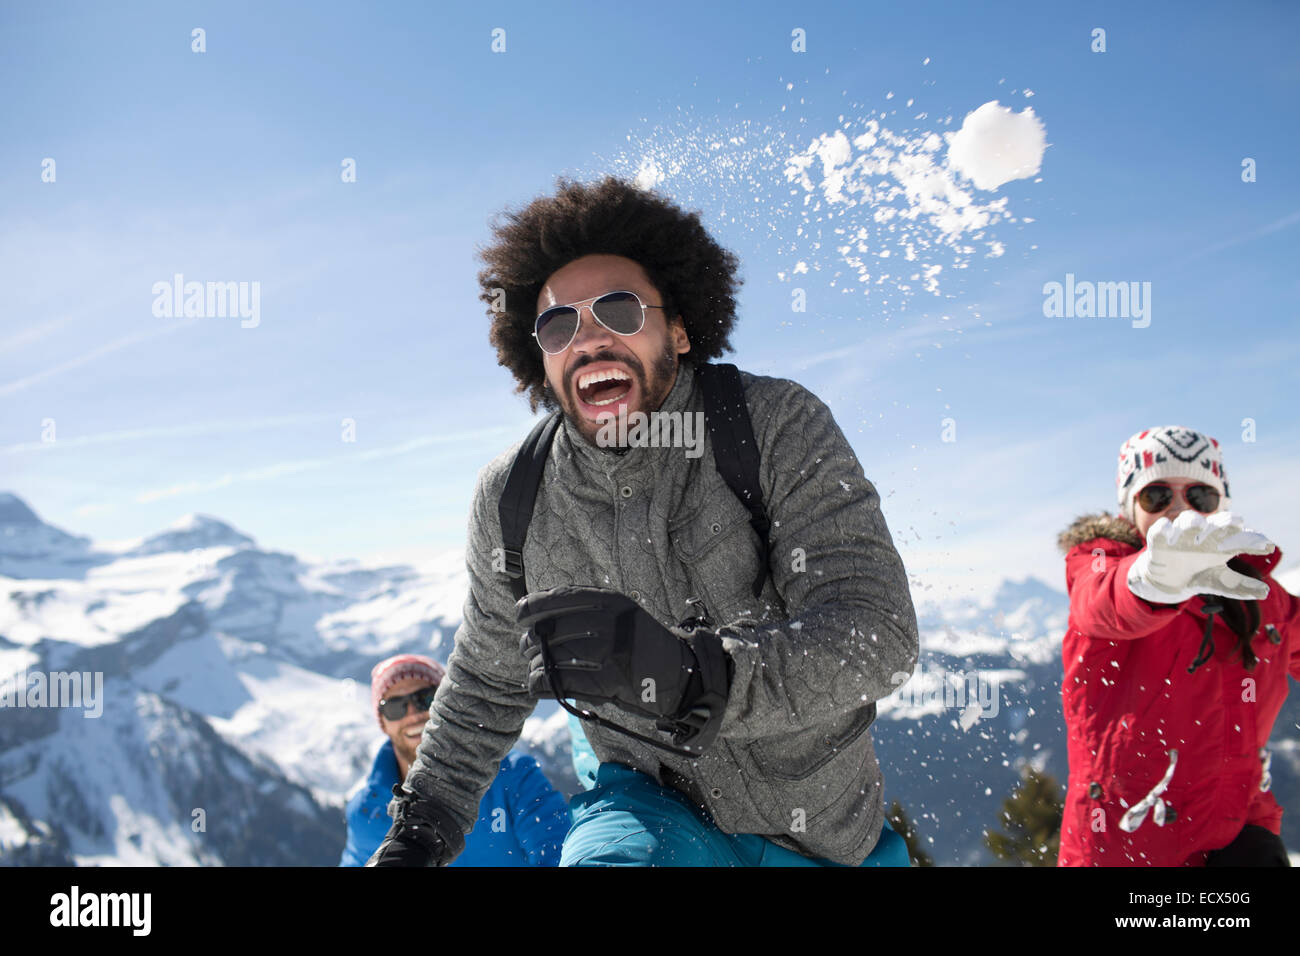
{"points": [[236, 683]]}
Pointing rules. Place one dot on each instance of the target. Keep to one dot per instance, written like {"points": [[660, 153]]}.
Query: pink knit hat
{"points": [[387, 673]]}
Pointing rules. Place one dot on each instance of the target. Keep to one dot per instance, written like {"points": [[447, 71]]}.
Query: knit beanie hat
{"points": [[399, 668], [1168, 452]]}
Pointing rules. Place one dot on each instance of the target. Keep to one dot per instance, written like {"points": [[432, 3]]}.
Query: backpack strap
{"points": [[516, 505], [735, 452]]}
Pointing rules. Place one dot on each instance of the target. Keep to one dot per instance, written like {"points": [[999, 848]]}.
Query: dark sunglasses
{"points": [[621, 312], [1157, 496], [394, 708]]}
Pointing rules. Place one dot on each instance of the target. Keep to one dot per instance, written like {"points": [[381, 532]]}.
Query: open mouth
{"points": [[603, 388]]}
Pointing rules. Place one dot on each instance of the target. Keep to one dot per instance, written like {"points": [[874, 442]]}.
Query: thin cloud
{"points": [[1002, 318], [166, 431], [29, 335], [297, 466], [1284, 223], [19, 384]]}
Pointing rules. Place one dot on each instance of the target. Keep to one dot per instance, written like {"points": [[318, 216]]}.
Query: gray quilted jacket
{"points": [[794, 760]]}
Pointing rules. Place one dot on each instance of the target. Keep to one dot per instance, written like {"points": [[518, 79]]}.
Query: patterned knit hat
{"points": [[1168, 452], [399, 668]]}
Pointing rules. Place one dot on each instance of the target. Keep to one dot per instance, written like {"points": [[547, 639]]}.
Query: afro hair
{"points": [[696, 276]]}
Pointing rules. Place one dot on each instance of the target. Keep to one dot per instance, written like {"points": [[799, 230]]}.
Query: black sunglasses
{"points": [[621, 312], [1158, 496], [394, 708]]}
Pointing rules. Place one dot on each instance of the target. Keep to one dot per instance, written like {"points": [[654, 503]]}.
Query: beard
{"points": [[654, 389]]}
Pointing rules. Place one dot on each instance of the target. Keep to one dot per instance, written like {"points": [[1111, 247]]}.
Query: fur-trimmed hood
{"points": [[1100, 525]]}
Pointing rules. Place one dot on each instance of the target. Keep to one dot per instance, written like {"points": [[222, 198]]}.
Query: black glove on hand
{"points": [[605, 648], [423, 833]]}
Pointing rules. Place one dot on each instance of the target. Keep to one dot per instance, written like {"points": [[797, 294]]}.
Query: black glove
{"points": [[605, 648], [423, 833]]}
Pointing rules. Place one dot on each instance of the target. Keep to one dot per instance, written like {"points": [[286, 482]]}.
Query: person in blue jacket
{"points": [[522, 819]]}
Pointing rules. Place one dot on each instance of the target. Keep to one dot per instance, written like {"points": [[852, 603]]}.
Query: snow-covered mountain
{"points": [[191, 533], [29, 546], [234, 712]]}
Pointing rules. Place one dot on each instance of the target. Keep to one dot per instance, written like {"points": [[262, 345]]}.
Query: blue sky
{"points": [[225, 165]]}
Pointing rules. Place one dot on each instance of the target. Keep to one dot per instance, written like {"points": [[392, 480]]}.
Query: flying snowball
{"points": [[996, 145]]}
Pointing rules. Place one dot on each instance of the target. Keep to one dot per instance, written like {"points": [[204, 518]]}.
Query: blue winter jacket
{"points": [[522, 819]]}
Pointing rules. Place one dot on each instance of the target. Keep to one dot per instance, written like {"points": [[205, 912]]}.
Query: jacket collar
{"points": [[608, 461], [1089, 527], [384, 772]]}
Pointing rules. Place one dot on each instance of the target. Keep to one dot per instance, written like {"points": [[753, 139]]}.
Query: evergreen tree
{"points": [[1031, 822], [905, 828]]}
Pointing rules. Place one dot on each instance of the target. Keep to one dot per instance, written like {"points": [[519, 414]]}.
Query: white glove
{"points": [[1189, 556]]}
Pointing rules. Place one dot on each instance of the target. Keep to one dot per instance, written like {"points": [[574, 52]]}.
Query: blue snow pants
{"points": [[628, 819]]}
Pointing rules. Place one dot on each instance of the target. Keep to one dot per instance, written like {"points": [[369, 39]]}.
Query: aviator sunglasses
{"points": [[394, 708], [1157, 496], [621, 312]]}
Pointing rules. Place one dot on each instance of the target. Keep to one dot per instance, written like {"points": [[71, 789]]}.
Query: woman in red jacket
{"points": [[1176, 664]]}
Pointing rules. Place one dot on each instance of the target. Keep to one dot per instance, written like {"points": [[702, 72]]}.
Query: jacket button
{"points": [[1170, 814], [716, 528], [715, 793], [635, 595], [626, 491], [1094, 791]]}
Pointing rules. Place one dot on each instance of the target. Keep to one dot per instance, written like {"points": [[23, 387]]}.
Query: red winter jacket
{"points": [[1129, 700]]}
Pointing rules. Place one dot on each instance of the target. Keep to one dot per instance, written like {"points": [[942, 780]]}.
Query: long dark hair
{"points": [[1242, 617]]}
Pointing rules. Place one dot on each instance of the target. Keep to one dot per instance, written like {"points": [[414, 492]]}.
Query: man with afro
{"points": [[726, 657]]}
